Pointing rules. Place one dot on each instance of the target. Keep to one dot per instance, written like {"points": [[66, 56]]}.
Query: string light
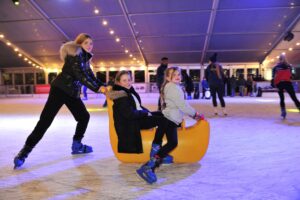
{"points": [[104, 22]]}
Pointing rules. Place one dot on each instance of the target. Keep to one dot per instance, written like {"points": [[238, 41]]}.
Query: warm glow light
{"points": [[290, 49], [277, 56], [298, 43], [29, 62], [8, 43], [126, 51], [111, 32], [283, 53], [16, 49], [1, 36], [130, 55], [104, 22], [134, 58], [96, 11], [20, 55], [25, 59]]}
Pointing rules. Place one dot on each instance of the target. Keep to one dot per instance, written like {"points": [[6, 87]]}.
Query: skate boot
{"points": [[79, 148], [224, 112], [216, 111], [146, 171], [22, 155], [283, 113], [154, 150]]}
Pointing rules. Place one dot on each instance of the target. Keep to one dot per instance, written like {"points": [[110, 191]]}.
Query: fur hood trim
{"points": [[116, 94], [70, 48]]}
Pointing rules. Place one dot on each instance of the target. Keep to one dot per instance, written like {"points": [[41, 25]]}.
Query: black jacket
{"points": [[126, 117], [160, 75], [212, 77], [76, 71]]}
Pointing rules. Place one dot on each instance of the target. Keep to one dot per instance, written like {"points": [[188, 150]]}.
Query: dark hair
{"points": [[164, 58], [213, 58]]}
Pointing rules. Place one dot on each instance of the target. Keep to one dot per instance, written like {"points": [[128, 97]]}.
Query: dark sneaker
{"points": [[79, 148]]}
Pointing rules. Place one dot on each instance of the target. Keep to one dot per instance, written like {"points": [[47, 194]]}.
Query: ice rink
{"points": [[252, 154]]}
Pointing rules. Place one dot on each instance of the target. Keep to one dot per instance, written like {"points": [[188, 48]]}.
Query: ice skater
{"points": [[65, 90], [173, 108], [282, 74]]}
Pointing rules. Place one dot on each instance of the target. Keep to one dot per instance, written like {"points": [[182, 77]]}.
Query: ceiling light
{"points": [[16, 49], [111, 32], [16, 2], [25, 59], [298, 43], [8, 43], [130, 55], [283, 53], [117, 39], [290, 49], [96, 11], [20, 55], [1, 36], [104, 22], [126, 51]]}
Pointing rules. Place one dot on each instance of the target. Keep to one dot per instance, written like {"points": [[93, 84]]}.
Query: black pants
{"points": [[287, 86], [159, 103], [57, 98], [170, 129], [220, 91]]}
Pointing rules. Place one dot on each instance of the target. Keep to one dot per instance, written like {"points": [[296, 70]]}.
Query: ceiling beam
{"points": [[46, 18], [280, 38], [209, 29], [129, 22]]}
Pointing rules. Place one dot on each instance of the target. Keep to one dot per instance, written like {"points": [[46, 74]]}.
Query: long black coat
{"points": [[126, 117]]}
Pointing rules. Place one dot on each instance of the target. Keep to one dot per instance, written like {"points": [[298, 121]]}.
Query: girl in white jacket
{"points": [[173, 108]]}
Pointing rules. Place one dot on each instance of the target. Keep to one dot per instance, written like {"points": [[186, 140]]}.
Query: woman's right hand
{"points": [[102, 89]]}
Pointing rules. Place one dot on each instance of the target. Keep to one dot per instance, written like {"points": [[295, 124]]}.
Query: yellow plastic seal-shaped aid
{"points": [[192, 142]]}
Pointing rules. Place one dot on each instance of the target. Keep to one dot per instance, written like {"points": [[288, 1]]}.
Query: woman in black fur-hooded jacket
{"points": [[65, 90]]}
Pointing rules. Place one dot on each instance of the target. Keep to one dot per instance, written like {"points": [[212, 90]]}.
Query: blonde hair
{"points": [[120, 74], [282, 59], [81, 38], [169, 73]]}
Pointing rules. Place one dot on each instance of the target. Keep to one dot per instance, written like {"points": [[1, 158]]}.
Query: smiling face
{"points": [[174, 76], [125, 81], [87, 45]]}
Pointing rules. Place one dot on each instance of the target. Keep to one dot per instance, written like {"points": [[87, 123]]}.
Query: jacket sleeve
{"points": [[123, 107], [177, 97], [83, 76]]}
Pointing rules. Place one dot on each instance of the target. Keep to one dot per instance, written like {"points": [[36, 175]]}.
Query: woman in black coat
{"points": [[130, 116], [65, 90]]}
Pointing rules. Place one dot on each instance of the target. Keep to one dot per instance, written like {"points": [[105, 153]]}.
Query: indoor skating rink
{"points": [[252, 154]]}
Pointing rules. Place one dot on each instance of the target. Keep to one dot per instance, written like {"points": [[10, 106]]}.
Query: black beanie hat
{"points": [[213, 58]]}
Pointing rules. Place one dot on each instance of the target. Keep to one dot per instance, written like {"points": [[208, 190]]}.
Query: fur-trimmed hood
{"points": [[71, 49], [116, 94]]}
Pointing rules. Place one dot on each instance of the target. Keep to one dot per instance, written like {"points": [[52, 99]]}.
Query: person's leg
{"points": [[203, 93], [282, 103], [55, 101], [213, 91], [172, 140], [159, 103], [290, 90], [52, 106], [82, 117], [146, 171], [220, 95]]}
